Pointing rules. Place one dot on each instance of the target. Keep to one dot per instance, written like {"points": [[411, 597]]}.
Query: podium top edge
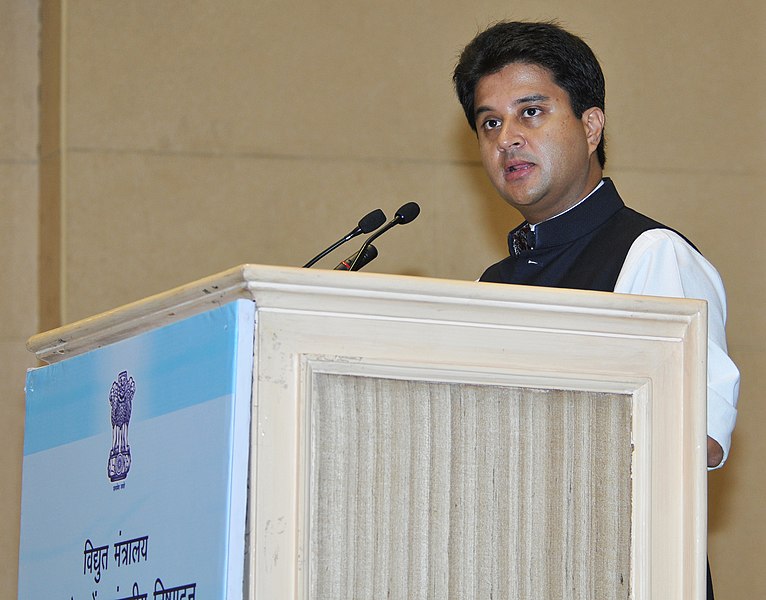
{"points": [[272, 286]]}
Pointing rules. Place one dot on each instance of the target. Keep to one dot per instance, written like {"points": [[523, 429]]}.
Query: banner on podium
{"points": [[135, 465]]}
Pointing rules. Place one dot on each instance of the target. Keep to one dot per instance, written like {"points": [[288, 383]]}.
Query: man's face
{"points": [[538, 154]]}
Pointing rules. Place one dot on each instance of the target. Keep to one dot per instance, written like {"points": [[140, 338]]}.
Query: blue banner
{"points": [[135, 465]]}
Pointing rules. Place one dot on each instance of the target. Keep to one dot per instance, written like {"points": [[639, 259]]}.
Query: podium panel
{"points": [[417, 438], [448, 490]]}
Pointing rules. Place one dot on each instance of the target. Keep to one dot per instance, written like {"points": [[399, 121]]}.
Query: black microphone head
{"points": [[407, 213], [370, 222]]}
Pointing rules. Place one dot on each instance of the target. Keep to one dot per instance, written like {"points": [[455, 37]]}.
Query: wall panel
{"points": [[18, 255]]}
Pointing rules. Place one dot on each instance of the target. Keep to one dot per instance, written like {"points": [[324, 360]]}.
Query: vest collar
{"points": [[581, 220]]}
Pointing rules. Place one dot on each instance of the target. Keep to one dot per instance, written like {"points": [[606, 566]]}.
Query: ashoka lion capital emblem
{"points": [[121, 400]]}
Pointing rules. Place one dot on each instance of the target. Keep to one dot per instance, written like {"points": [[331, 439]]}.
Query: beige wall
{"points": [[18, 248], [182, 138]]}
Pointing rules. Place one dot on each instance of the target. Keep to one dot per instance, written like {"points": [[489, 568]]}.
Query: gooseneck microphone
{"points": [[370, 222], [406, 214], [369, 255]]}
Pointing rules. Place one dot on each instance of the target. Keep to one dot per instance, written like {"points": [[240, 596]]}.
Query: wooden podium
{"points": [[418, 438]]}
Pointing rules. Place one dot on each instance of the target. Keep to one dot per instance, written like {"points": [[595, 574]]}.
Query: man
{"points": [[534, 94]]}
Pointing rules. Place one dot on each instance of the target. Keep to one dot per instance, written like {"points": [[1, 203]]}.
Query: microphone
{"points": [[369, 255], [406, 214], [369, 222]]}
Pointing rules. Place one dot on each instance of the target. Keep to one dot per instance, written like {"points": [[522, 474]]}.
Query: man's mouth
{"points": [[517, 171], [523, 166]]}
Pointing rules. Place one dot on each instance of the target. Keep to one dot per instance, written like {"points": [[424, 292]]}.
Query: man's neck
{"points": [[583, 199], [591, 181]]}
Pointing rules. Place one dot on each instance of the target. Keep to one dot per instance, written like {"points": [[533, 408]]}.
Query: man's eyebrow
{"points": [[517, 102], [532, 98]]}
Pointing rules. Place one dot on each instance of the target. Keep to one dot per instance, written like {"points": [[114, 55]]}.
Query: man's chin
{"points": [[519, 201]]}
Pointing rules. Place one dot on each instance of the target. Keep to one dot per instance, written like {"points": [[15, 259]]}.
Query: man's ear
{"points": [[593, 122]]}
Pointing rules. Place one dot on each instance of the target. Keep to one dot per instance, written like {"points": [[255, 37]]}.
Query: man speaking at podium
{"points": [[534, 94]]}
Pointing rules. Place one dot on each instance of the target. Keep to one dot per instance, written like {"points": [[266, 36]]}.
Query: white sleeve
{"points": [[661, 263]]}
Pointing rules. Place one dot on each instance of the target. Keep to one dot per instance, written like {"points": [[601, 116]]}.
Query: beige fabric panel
{"points": [[435, 490]]}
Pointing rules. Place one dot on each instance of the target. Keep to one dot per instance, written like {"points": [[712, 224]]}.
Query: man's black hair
{"points": [[571, 62]]}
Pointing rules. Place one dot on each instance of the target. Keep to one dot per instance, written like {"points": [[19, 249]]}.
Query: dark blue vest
{"points": [[584, 248]]}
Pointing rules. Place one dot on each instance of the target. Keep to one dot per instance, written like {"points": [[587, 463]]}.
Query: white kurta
{"points": [[661, 263]]}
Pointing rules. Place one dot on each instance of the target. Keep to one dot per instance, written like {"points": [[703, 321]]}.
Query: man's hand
{"points": [[714, 452]]}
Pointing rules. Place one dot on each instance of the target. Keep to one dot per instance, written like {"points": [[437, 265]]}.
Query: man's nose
{"points": [[510, 137]]}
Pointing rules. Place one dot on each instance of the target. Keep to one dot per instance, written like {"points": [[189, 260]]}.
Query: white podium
{"points": [[418, 438]]}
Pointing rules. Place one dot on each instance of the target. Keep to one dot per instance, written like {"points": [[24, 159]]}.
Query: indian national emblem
{"points": [[121, 400]]}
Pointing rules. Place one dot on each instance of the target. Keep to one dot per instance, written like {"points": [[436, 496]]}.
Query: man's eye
{"points": [[491, 124], [532, 111]]}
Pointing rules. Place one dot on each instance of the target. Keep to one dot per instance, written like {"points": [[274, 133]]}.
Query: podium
{"points": [[386, 437]]}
